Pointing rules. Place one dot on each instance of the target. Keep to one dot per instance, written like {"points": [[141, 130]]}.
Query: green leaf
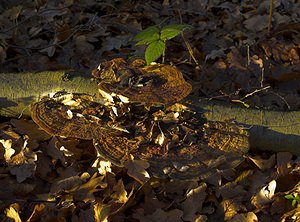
{"points": [[149, 40], [294, 203], [171, 31], [289, 196], [154, 51], [147, 33]]}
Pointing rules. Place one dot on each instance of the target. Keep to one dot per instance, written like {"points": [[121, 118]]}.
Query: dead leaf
{"points": [[257, 23], [101, 212], [82, 45], [29, 128], [265, 195], [263, 164], [23, 171], [247, 217], [85, 191], [37, 213], [65, 184], [160, 215], [50, 50], [12, 212], [103, 166], [53, 150], [8, 151], [136, 169], [120, 194], [230, 209], [284, 163], [193, 203]]}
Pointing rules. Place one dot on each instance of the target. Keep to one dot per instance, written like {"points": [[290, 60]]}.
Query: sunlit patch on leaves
{"points": [[8, 151], [37, 212], [65, 151], [160, 139], [12, 213], [69, 114], [103, 166], [101, 212]]}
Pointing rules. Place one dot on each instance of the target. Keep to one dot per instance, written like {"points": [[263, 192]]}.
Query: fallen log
{"points": [[269, 130], [19, 90]]}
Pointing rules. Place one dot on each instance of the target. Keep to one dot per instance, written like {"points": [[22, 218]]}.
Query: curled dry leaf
{"points": [[137, 170], [263, 164], [265, 195]]}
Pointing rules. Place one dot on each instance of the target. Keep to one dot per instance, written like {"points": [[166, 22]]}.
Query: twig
{"points": [[255, 91], [248, 95], [270, 15], [283, 99], [188, 46]]}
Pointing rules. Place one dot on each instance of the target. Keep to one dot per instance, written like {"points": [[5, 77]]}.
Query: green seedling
{"points": [[155, 38], [295, 199]]}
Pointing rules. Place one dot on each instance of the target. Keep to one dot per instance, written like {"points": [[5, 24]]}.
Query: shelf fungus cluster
{"points": [[138, 117], [153, 84]]}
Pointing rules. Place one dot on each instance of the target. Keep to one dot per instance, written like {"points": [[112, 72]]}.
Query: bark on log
{"points": [[269, 130], [19, 90]]}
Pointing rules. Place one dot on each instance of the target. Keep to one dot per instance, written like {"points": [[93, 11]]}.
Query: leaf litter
{"points": [[46, 178]]}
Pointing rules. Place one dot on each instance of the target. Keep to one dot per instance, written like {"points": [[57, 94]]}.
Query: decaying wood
{"points": [[269, 130]]}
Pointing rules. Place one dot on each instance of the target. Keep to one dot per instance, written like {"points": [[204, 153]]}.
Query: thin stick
{"points": [[188, 46], [270, 15]]}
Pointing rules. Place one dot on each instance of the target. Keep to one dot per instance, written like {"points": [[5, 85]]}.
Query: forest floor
{"points": [[238, 52]]}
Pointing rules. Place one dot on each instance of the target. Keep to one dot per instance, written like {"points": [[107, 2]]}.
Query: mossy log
{"points": [[269, 130]]}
